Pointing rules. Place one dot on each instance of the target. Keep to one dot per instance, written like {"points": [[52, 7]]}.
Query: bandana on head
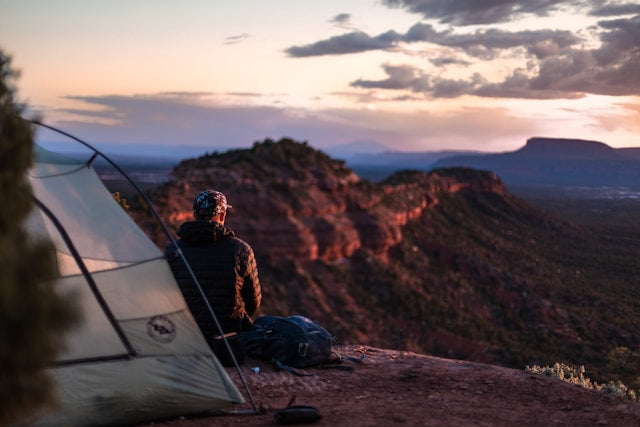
{"points": [[214, 202]]}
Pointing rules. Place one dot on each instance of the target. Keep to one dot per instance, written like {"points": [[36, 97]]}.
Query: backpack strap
{"points": [[357, 360], [333, 363], [339, 357], [279, 366], [336, 362]]}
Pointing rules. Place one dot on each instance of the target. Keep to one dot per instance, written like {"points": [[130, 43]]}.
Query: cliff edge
{"points": [[403, 388]]}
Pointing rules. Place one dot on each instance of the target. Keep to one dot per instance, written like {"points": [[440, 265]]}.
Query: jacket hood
{"points": [[203, 232]]}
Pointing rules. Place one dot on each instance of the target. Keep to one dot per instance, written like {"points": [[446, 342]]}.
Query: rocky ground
{"points": [[396, 387]]}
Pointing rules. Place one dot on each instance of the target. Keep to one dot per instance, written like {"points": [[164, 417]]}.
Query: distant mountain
{"points": [[564, 162], [375, 161], [355, 148], [376, 166], [405, 159], [447, 262], [631, 152], [122, 152]]}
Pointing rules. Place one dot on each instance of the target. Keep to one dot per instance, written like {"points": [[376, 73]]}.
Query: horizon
{"points": [[407, 75], [348, 152]]}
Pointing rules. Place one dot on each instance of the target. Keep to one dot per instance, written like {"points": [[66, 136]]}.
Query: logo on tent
{"points": [[161, 329]]}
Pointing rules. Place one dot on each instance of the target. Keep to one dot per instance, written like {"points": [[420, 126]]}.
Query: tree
{"points": [[33, 317]]}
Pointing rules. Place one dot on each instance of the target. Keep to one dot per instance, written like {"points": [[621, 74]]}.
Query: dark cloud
{"points": [[448, 88], [557, 77], [236, 39], [615, 9], [622, 37], [406, 77], [341, 20], [482, 43], [443, 61], [614, 70], [556, 64], [347, 43], [474, 12], [618, 59], [400, 77], [486, 43]]}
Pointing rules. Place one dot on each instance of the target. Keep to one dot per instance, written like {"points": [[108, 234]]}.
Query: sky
{"points": [[407, 75]]}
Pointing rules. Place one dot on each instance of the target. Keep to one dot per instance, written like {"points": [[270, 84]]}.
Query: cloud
{"points": [[545, 63], [481, 43], [175, 121], [614, 70], [473, 12], [621, 40], [400, 77], [570, 76], [353, 42], [616, 9], [342, 20], [236, 39], [444, 60], [191, 120], [486, 43], [557, 67], [412, 78], [625, 116]]}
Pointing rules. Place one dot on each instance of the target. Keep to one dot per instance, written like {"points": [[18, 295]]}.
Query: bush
{"points": [[576, 376]]}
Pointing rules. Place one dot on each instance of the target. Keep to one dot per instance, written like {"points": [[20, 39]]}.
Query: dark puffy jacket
{"points": [[226, 269]]}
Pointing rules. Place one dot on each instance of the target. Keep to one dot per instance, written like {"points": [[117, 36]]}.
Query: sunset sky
{"points": [[412, 75]]}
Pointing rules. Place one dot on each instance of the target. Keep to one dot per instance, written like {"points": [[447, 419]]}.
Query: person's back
{"points": [[224, 265]]}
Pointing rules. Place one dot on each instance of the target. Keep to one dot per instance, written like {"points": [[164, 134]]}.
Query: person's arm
{"points": [[251, 291]]}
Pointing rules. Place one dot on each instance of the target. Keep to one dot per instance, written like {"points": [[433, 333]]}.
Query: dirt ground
{"points": [[394, 387]]}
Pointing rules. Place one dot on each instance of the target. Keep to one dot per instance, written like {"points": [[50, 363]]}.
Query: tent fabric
{"points": [[107, 231], [137, 390], [140, 355]]}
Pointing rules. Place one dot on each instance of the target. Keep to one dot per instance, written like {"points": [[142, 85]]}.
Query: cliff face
{"points": [[319, 209], [446, 262]]}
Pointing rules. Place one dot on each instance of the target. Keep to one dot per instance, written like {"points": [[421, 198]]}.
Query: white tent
{"points": [[138, 355]]}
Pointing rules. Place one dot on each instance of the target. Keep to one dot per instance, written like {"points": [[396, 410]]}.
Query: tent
{"points": [[138, 355]]}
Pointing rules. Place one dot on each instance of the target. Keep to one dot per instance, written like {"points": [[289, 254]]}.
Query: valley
{"points": [[450, 263]]}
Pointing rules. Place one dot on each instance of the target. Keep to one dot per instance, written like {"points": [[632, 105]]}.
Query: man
{"points": [[224, 265]]}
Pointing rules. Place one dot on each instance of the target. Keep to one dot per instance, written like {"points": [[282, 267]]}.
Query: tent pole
{"points": [[87, 275], [171, 238]]}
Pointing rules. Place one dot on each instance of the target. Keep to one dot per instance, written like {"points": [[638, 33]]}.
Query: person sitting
{"points": [[224, 265]]}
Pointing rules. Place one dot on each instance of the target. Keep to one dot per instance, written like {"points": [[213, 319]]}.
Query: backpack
{"points": [[289, 342]]}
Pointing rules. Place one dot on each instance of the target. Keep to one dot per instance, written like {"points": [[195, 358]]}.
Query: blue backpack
{"points": [[289, 342]]}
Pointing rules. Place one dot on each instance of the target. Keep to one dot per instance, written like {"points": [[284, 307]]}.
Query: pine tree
{"points": [[33, 317]]}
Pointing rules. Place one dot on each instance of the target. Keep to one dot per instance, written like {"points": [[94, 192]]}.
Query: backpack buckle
{"points": [[303, 347]]}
